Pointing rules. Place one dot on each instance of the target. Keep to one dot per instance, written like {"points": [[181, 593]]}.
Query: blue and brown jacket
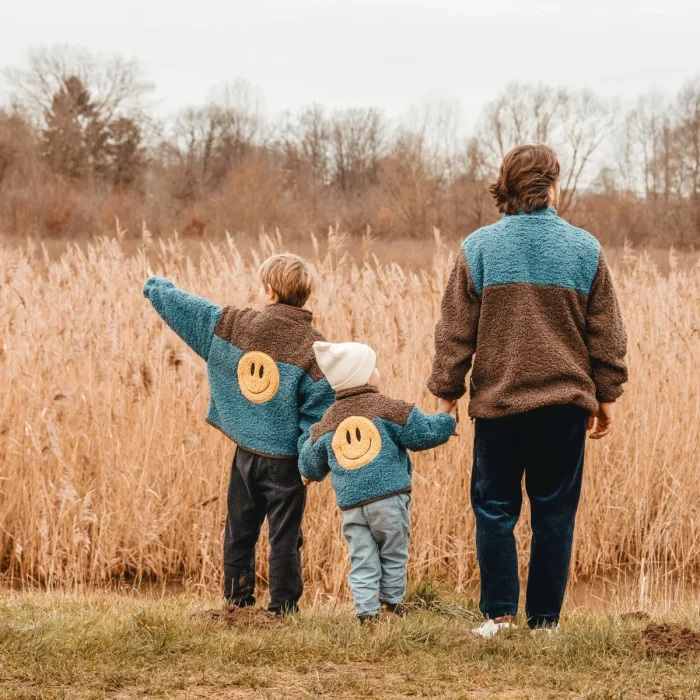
{"points": [[266, 388], [362, 441], [532, 299]]}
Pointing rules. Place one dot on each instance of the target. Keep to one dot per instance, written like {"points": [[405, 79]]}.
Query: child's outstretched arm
{"points": [[313, 461], [191, 317], [424, 431]]}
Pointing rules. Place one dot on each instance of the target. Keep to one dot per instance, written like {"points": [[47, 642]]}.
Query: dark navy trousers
{"points": [[545, 445], [262, 486]]}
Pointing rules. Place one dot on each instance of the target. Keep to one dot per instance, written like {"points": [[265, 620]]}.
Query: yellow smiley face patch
{"points": [[258, 377], [356, 442]]}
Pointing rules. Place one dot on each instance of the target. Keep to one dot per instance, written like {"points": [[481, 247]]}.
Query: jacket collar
{"points": [[547, 211], [287, 311], [356, 391]]}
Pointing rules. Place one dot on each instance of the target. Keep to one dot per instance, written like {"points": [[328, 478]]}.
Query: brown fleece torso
{"points": [[281, 331], [361, 401]]}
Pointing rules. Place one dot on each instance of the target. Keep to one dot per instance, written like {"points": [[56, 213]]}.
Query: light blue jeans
{"points": [[377, 535]]}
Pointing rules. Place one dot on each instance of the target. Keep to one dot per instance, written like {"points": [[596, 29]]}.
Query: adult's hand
{"points": [[601, 421]]}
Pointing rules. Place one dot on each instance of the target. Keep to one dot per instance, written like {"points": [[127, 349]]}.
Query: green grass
{"points": [[112, 646]]}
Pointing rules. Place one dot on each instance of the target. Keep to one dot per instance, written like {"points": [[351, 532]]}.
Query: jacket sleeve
{"points": [[313, 460], [606, 338], [315, 397], [192, 318], [455, 333], [423, 432]]}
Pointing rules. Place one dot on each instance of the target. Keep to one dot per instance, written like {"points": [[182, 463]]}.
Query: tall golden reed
{"points": [[107, 469]]}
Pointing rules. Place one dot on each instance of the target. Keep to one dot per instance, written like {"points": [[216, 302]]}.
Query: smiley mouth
{"points": [[265, 388], [354, 459]]}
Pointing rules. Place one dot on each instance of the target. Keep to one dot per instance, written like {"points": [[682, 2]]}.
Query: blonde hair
{"points": [[290, 276]]}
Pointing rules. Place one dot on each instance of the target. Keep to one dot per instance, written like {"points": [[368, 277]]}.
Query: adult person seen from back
{"points": [[531, 301]]}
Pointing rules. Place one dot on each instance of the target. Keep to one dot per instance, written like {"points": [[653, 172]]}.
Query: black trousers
{"points": [[263, 486], [547, 446]]}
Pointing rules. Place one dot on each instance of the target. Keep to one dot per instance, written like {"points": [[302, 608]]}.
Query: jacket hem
{"points": [[486, 413], [249, 449], [376, 498]]}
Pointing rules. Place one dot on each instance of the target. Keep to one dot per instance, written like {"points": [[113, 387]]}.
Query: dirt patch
{"points": [[670, 639], [241, 617]]}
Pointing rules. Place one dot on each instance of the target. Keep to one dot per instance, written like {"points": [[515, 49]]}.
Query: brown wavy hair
{"points": [[527, 174]]}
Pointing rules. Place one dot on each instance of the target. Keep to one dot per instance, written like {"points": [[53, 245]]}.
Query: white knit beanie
{"points": [[345, 365]]}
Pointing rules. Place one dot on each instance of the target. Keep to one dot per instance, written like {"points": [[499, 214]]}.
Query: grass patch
{"points": [[110, 646]]}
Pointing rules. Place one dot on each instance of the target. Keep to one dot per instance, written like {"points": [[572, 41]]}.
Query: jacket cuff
{"points": [[152, 282], [448, 394], [608, 394]]}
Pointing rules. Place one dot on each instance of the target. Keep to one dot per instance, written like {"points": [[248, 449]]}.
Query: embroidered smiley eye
{"points": [[262, 370]]}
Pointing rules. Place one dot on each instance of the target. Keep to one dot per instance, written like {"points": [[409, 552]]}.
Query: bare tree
{"points": [[88, 111], [206, 144], [521, 114], [116, 85], [240, 109], [357, 142], [687, 135], [574, 123], [420, 165], [585, 122], [19, 152]]}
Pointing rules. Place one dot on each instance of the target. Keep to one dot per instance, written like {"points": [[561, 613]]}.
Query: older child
{"points": [[266, 391], [362, 441]]}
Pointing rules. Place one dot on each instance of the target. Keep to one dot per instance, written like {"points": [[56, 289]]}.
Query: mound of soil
{"points": [[670, 639], [242, 617]]}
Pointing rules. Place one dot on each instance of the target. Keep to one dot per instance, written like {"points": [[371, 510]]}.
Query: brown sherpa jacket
{"points": [[531, 299]]}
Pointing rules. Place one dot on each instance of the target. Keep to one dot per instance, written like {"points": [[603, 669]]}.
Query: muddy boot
{"points": [[362, 619], [291, 607], [392, 609], [240, 602]]}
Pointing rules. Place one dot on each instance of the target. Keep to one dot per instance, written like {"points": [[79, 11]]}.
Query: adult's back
{"points": [[531, 297]]}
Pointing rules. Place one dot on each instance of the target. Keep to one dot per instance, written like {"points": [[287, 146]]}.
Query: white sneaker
{"points": [[490, 628]]}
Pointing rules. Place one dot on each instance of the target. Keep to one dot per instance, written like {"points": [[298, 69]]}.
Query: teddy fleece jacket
{"points": [[362, 441], [532, 299], [266, 388]]}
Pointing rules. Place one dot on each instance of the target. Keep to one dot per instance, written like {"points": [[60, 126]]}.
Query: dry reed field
{"points": [[109, 472]]}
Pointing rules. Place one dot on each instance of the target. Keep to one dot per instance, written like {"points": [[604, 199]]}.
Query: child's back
{"points": [[264, 380], [363, 441], [364, 437], [266, 391]]}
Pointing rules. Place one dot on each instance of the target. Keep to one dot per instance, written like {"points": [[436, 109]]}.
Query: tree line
{"points": [[79, 148]]}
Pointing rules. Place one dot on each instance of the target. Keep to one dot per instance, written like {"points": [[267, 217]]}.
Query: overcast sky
{"points": [[388, 53]]}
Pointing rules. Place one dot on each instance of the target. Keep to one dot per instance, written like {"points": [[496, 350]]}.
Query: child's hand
{"points": [[445, 406], [305, 481], [602, 420]]}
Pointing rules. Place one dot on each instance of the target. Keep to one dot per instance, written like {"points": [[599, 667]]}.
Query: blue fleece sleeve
{"points": [[314, 399], [313, 460], [192, 318], [423, 432]]}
